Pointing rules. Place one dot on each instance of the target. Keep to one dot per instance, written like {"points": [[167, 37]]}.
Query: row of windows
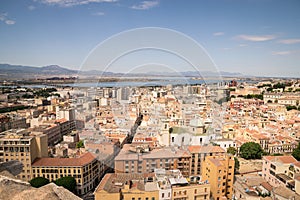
{"points": [[16, 149], [139, 198], [16, 142], [51, 170]]}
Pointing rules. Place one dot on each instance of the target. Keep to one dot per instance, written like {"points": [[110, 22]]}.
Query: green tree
{"points": [[38, 182], [231, 150], [288, 108], [80, 144], [296, 152], [236, 164], [251, 150], [67, 182]]}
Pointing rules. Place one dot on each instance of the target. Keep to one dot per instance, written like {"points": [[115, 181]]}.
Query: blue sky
{"points": [[253, 37]]}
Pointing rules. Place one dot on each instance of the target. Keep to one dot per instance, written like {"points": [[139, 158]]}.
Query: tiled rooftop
{"points": [[58, 162]]}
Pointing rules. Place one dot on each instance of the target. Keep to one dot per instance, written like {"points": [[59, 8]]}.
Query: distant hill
{"points": [[8, 71], [20, 71]]}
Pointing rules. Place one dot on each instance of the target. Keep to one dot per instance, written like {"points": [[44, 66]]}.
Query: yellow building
{"points": [[198, 155], [85, 169], [23, 146], [219, 171], [191, 192]]}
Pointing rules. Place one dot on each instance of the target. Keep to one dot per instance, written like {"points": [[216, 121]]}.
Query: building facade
{"points": [[23, 146], [85, 169], [219, 172]]}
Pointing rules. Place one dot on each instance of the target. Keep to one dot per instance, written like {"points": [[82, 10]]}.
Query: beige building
{"points": [[85, 169], [23, 146], [12, 122], [51, 130], [161, 185], [219, 171], [127, 187], [279, 170], [131, 160]]}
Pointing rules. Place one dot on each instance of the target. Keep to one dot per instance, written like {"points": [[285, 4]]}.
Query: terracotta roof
{"points": [[267, 186], [57, 162], [282, 159]]}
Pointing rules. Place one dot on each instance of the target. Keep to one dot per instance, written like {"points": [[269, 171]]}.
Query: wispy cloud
{"points": [[10, 22], [98, 13], [243, 45], [281, 53], [218, 33], [31, 7], [70, 3], [290, 41], [256, 38], [4, 18], [145, 5]]}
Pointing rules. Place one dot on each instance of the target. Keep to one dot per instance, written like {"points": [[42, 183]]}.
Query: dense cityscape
{"points": [[157, 142]]}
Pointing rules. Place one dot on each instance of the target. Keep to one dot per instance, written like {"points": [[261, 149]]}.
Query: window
{"points": [[172, 139], [153, 198], [273, 166], [195, 191]]}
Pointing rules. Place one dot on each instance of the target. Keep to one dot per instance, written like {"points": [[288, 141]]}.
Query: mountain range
{"points": [[8, 71]]}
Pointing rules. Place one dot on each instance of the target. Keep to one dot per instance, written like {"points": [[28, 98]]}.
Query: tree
{"points": [[251, 150], [296, 152], [80, 144], [231, 150], [67, 182], [38, 182], [236, 164], [288, 108]]}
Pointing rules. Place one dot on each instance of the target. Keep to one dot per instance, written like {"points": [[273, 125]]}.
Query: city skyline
{"points": [[250, 37]]}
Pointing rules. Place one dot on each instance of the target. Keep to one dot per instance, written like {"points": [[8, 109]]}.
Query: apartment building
{"points": [[51, 130], [219, 172], [23, 146], [199, 153], [85, 169], [278, 170], [132, 159], [12, 122]]}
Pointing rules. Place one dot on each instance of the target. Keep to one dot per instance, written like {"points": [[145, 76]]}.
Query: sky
{"points": [[252, 37]]}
